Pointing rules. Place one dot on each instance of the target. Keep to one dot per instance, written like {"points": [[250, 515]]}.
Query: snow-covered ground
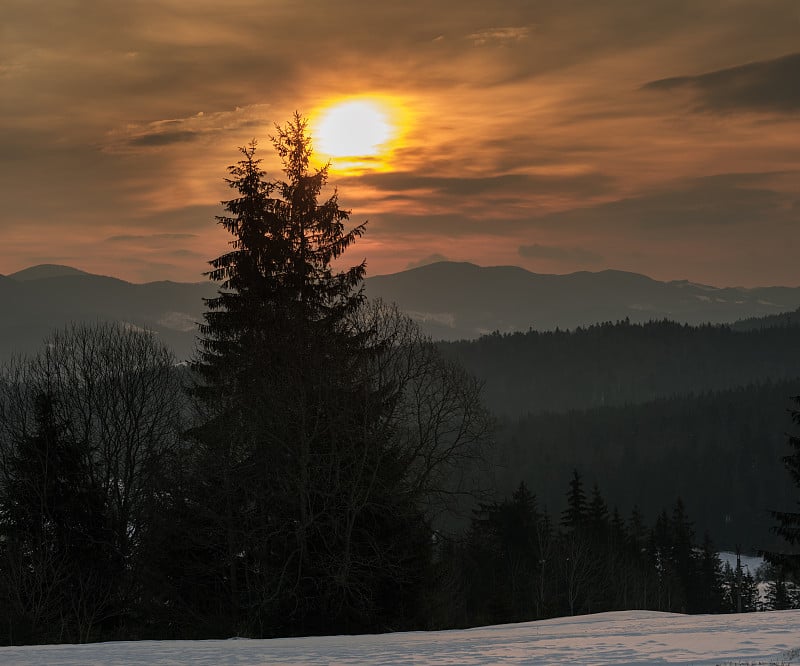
{"points": [[630, 637], [749, 562]]}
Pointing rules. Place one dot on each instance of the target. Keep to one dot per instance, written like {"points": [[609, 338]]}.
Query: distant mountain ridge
{"points": [[462, 300], [45, 271], [41, 298], [450, 300], [784, 319]]}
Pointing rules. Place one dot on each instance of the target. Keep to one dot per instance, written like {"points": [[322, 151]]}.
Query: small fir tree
{"points": [[789, 521], [575, 515]]}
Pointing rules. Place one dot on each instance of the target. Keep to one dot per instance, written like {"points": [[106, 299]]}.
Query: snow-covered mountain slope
{"points": [[631, 637]]}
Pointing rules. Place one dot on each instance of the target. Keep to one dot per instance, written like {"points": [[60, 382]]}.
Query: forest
{"points": [[622, 363], [720, 451], [704, 405], [322, 467], [518, 562]]}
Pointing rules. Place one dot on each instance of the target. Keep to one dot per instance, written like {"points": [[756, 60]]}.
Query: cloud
{"points": [[126, 238], [178, 321], [187, 253], [715, 204], [719, 230], [560, 253], [507, 184], [442, 318], [163, 138], [766, 85], [725, 203], [454, 227], [430, 259], [184, 130], [501, 36]]}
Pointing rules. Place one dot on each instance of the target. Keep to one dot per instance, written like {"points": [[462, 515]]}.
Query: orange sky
{"points": [[661, 137]]}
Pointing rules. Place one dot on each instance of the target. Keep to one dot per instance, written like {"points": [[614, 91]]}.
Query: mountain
{"points": [[782, 320], [462, 300], [39, 299], [450, 300], [44, 271]]}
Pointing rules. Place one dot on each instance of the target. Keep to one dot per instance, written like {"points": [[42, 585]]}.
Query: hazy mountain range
{"points": [[450, 300]]}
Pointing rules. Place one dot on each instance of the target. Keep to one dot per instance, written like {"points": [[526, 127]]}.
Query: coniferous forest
{"points": [[322, 467]]}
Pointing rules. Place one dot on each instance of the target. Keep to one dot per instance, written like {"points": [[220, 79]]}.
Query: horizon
{"points": [[424, 265]]}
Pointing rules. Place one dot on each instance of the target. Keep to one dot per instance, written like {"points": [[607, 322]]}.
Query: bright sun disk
{"points": [[358, 128]]}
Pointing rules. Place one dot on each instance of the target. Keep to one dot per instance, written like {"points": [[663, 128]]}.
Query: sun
{"points": [[355, 132]]}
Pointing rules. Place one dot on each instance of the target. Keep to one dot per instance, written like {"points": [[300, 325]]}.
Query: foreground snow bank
{"points": [[631, 637]]}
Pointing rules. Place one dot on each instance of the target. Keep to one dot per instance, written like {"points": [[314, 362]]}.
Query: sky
{"points": [[660, 137]]}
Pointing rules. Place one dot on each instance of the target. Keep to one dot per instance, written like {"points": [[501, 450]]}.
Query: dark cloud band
{"points": [[768, 85], [558, 253]]}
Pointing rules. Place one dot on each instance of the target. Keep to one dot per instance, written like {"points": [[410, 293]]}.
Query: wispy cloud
{"points": [[163, 138], [429, 259], [125, 238], [498, 35], [767, 85], [572, 255]]}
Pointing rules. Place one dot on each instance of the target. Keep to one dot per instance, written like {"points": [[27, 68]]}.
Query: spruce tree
{"points": [[277, 282], [750, 593], [778, 597], [574, 517], [578, 555], [597, 515], [55, 555], [789, 521], [709, 595], [279, 394], [88, 430], [683, 559], [309, 483]]}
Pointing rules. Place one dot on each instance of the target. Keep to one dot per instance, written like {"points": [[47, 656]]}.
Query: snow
{"points": [[749, 562], [630, 637]]}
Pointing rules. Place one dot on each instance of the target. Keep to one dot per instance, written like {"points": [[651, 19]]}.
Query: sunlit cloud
{"points": [[498, 35]]}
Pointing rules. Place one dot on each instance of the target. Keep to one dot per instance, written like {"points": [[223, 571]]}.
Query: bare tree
{"points": [[114, 402], [371, 500], [578, 567], [421, 452], [432, 418]]}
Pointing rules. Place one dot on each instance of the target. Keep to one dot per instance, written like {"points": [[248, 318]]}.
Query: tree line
{"points": [[720, 451], [519, 562], [615, 364]]}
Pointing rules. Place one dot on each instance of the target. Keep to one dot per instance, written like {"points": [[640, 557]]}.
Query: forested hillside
{"points": [[720, 452], [622, 363], [785, 319], [650, 412]]}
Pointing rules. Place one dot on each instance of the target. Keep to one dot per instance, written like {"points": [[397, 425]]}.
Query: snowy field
{"points": [[630, 637]]}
